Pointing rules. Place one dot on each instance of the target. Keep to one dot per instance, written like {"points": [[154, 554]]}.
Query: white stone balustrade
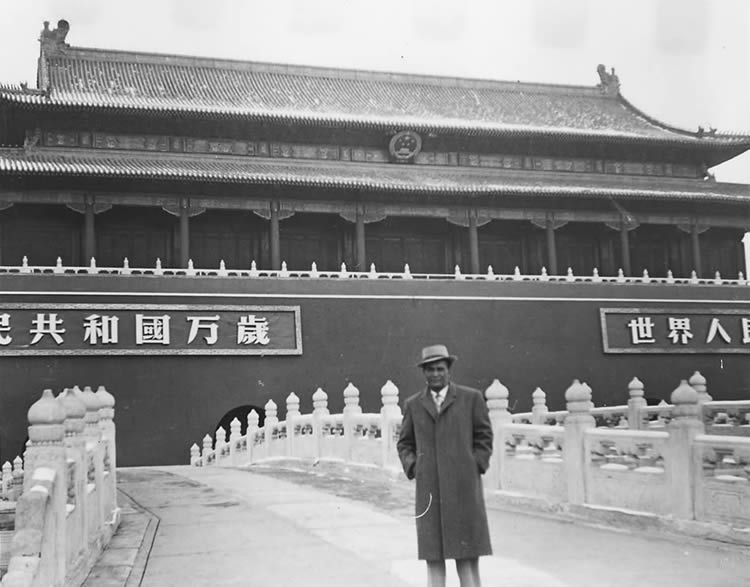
{"points": [[721, 467], [617, 463], [652, 459], [67, 511], [222, 271]]}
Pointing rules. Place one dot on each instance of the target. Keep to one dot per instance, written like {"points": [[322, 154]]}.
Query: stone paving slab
{"points": [[335, 526], [123, 561]]}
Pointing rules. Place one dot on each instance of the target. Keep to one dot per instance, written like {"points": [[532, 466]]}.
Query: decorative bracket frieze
{"points": [[368, 214], [628, 224], [689, 227], [284, 210], [463, 218], [548, 221], [176, 209], [80, 207]]}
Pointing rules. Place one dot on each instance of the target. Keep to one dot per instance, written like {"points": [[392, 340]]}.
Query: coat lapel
{"points": [[450, 397], [429, 404]]}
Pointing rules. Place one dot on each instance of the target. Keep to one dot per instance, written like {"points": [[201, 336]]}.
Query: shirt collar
{"points": [[441, 393]]}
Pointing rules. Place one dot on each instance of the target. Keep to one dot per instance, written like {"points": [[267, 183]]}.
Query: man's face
{"points": [[437, 375]]}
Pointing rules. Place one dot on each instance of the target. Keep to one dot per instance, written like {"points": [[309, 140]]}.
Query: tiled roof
{"points": [[375, 177], [95, 78]]}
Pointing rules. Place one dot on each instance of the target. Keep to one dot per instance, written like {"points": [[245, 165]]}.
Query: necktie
{"points": [[438, 400]]}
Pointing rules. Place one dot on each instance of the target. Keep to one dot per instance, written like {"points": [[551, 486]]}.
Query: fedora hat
{"points": [[436, 352]]}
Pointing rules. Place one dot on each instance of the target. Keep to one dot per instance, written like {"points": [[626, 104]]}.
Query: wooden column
{"points": [[626, 224], [550, 225], [275, 237], [184, 232], [361, 214], [694, 237], [625, 248], [361, 255], [551, 249], [89, 231], [88, 208], [473, 244]]}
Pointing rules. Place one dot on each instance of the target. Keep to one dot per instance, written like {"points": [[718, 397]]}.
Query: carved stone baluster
{"points": [[636, 404], [235, 433], [351, 410], [320, 410], [578, 420], [497, 404], [539, 410], [269, 425], [685, 425], [253, 419], [292, 413], [208, 447], [390, 416]]}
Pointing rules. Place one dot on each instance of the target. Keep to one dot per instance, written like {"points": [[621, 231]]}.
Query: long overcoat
{"points": [[447, 453]]}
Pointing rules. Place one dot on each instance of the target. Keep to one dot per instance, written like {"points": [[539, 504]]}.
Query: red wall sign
{"points": [[648, 330], [149, 329]]}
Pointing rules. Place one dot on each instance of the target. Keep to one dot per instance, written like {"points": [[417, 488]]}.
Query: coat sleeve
{"points": [[482, 433], [407, 444]]}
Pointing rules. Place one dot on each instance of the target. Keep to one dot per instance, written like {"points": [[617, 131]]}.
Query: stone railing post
{"points": [[76, 474], [636, 403], [497, 404], [208, 447], [253, 419], [269, 422], [292, 413], [109, 456], [94, 511], [351, 408], [235, 433], [539, 410], [40, 531], [195, 455], [698, 383], [320, 409], [221, 441], [685, 425], [17, 478], [7, 480], [578, 420], [390, 416]]}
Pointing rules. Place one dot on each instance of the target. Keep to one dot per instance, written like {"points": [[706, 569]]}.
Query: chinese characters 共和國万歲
{"points": [[104, 329]]}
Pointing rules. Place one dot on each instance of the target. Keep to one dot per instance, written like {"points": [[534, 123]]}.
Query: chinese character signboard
{"points": [[646, 330], [149, 329]]}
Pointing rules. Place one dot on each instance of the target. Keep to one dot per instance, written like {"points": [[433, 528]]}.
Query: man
{"points": [[446, 443]]}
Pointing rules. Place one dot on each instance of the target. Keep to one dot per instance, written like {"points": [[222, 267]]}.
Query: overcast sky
{"points": [[685, 62]]}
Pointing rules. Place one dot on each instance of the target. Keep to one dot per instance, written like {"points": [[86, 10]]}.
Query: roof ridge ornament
{"points": [[609, 82], [53, 41]]}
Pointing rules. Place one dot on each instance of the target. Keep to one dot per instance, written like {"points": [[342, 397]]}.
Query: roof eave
{"points": [[36, 99]]}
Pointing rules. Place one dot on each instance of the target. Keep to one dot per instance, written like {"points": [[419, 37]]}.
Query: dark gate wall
{"points": [[526, 334]]}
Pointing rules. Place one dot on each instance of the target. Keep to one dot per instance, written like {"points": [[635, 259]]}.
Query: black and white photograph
{"points": [[406, 293]]}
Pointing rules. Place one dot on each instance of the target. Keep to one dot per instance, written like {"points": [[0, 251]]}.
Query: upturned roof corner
{"points": [[609, 82], [53, 41]]}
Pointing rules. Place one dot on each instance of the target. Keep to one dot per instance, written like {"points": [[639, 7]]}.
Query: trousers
{"points": [[467, 569]]}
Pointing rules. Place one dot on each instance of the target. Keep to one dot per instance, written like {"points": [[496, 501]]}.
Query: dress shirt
{"points": [[439, 397]]}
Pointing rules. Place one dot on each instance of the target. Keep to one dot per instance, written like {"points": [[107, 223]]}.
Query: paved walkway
{"points": [[271, 526]]}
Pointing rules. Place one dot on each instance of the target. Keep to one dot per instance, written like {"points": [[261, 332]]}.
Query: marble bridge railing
{"points": [[25, 268], [59, 506], [687, 460], [352, 436]]}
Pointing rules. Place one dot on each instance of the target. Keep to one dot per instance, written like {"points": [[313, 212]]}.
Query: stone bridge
{"points": [[588, 496]]}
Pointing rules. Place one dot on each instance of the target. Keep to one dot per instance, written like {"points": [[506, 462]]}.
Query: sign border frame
{"points": [[21, 352], [678, 350]]}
